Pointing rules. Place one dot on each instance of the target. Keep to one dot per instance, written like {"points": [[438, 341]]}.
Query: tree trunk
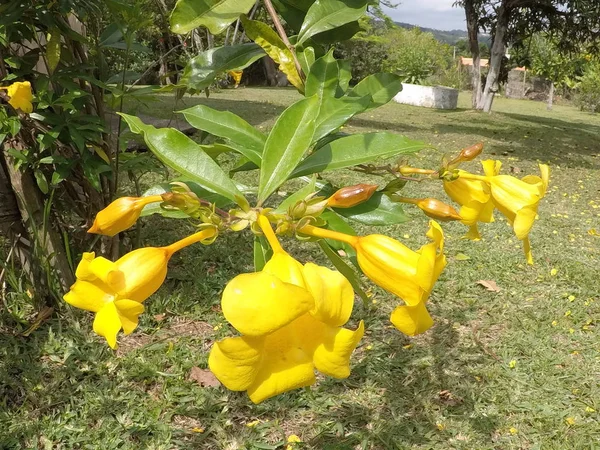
{"points": [[550, 96], [492, 84], [473, 32], [270, 71], [31, 208]]}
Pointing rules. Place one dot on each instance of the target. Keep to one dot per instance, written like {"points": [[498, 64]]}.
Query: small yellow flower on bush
{"points": [[290, 318], [115, 291], [121, 214], [20, 96]]}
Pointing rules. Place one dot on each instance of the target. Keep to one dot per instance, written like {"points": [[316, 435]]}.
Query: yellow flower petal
{"points": [[412, 320], [144, 271], [286, 268], [129, 312], [285, 366], [88, 296], [259, 303], [235, 361], [524, 222], [473, 233], [332, 356], [107, 324], [332, 293], [83, 271], [20, 96]]}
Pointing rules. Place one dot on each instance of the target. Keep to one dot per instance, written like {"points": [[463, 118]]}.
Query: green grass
{"points": [[515, 369]]}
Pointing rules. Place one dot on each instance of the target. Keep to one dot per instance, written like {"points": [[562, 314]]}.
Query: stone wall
{"points": [[522, 84]]}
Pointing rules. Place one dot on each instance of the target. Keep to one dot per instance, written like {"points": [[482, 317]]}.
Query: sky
{"points": [[439, 14]]}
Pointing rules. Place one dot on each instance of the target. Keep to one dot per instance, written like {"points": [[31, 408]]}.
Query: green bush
{"points": [[588, 97]]}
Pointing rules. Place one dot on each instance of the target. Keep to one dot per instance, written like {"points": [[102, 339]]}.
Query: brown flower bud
{"points": [[437, 209], [350, 196], [470, 153]]}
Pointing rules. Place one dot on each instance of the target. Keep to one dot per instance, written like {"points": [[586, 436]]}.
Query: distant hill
{"points": [[449, 37]]}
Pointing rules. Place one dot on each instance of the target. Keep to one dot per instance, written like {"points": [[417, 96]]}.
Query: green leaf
{"points": [[201, 71], [344, 269], [293, 11], [356, 149], [262, 253], [335, 112], [325, 15], [226, 125], [345, 70], [382, 87], [378, 210], [289, 139], [322, 79], [300, 194], [269, 40], [53, 48], [182, 154], [306, 58], [42, 182], [216, 15]]}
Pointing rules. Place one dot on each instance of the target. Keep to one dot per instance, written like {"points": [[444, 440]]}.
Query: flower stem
{"points": [[328, 234], [265, 226], [207, 233]]}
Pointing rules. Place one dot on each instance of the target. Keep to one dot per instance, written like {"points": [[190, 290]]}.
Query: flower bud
{"points": [[121, 214], [350, 196], [438, 210], [470, 153], [184, 202]]}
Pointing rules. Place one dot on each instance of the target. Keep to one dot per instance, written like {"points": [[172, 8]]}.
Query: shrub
{"points": [[588, 97]]}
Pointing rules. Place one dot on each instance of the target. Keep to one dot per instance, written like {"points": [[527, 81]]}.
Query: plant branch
{"points": [[283, 35]]}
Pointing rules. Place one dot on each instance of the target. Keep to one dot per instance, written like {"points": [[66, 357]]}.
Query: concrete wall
{"points": [[438, 97], [522, 84]]}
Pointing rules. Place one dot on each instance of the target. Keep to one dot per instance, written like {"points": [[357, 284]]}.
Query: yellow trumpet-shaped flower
{"points": [[517, 200], [396, 268], [475, 199], [115, 290], [121, 214], [20, 96], [290, 317]]}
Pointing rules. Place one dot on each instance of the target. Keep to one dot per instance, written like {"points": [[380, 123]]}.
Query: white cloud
{"points": [[439, 14]]}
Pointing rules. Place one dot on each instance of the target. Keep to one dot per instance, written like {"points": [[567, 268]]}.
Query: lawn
{"points": [[514, 368]]}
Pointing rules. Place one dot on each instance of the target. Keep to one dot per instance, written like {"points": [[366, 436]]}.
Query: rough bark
{"points": [[31, 209], [492, 84], [473, 32], [270, 71]]}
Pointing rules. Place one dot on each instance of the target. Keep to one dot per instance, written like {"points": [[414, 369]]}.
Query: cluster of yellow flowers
{"points": [[517, 200], [291, 316]]}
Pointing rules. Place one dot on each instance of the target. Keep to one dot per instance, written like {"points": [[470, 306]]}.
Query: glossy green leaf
{"points": [[53, 48], [344, 269], [382, 87], [262, 253], [306, 58], [335, 112], [271, 43], [338, 223], [290, 138], [182, 154], [325, 15], [154, 208], [227, 125], [345, 70], [201, 71], [356, 149], [293, 11], [41, 180], [216, 15], [339, 34], [378, 210], [297, 196], [322, 79]]}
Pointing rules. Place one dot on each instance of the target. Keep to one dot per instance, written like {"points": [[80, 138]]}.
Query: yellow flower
{"points": [[121, 214], [516, 199], [20, 96], [290, 317], [475, 200], [237, 76], [115, 290], [391, 265], [292, 439]]}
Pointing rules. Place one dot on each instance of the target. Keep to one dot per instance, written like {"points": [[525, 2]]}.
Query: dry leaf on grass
{"points": [[203, 377], [490, 285]]}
